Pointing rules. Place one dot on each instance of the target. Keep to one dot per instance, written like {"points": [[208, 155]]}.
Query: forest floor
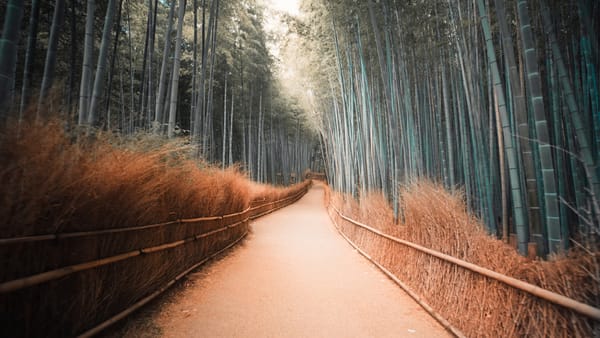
{"points": [[294, 276]]}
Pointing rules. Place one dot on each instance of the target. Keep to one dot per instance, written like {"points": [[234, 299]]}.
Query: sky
{"points": [[290, 6], [272, 23]]}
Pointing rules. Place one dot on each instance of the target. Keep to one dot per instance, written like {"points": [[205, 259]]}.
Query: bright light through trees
{"points": [[289, 6]]}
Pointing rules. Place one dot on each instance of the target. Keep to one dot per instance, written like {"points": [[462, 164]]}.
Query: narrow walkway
{"points": [[294, 276]]}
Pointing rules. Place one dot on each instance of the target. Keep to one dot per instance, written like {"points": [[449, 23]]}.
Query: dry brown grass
{"points": [[57, 181], [264, 193], [476, 305], [52, 184]]}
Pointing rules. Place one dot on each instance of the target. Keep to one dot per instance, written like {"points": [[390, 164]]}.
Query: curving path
{"points": [[294, 276]]}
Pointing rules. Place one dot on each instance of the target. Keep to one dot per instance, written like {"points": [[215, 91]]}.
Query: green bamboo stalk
{"points": [[175, 74], [98, 88], [509, 149], [29, 54], [50, 62], [558, 141], [552, 211], [591, 81], [575, 116], [163, 79], [8, 53], [449, 136], [521, 117]]}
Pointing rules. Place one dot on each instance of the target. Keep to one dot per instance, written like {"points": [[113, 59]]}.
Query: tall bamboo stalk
{"points": [[555, 241], [98, 88], [29, 54], [8, 52], [509, 149], [162, 81], [175, 74]]}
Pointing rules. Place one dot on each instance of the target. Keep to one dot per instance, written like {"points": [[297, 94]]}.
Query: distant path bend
{"points": [[294, 276]]}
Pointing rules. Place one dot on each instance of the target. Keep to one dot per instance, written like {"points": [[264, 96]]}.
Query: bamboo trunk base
{"points": [[532, 250], [512, 240]]}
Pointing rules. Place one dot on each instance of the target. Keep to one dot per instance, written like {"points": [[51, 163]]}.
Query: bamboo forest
{"points": [[428, 89], [466, 127]]}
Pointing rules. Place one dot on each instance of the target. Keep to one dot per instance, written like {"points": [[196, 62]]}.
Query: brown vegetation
{"points": [[475, 304], [59, 182]]}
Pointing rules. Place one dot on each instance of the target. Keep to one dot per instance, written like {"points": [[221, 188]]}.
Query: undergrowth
{"points": [[55, 180], [437, 219]]}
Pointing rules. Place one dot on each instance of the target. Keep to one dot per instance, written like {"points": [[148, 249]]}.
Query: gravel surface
{"points": [[294, 276]]}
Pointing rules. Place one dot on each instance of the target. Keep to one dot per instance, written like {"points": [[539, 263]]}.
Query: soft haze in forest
{"points": [[290, 6]]}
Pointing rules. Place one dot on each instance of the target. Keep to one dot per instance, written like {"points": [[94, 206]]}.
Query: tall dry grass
{"points": [[437, 219], [54, 180], [58, 182]]}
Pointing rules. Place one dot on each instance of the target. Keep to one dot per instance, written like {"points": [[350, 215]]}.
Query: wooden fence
{"points": [[548, 296], [79, 283]]}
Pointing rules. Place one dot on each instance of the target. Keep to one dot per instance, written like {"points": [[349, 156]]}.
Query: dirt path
{"points": [[294, 277]]}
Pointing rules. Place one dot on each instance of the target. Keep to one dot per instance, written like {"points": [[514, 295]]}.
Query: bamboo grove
{"points": [[199, 69], [499, 98]]}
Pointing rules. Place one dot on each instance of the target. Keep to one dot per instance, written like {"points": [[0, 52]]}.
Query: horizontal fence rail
{"points": [[104, 325], [20, 283], [58, 273], [54, 275], [49, 237], [553, 297]]}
